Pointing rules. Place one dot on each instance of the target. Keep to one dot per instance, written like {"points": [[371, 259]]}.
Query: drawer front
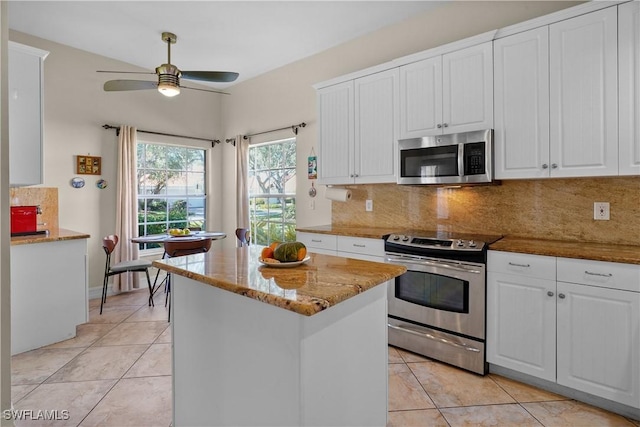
{"points": [[611, 275], [361, 245], [317, 241], [538, 266]]}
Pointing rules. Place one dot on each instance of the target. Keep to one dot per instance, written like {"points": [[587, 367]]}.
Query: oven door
{"points": [[447, 295]]}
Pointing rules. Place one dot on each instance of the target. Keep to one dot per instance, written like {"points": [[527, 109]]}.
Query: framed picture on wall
{"points": [[88, 165]]}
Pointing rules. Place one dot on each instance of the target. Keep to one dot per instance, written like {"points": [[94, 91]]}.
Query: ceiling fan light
{"points": [[168, 89]]}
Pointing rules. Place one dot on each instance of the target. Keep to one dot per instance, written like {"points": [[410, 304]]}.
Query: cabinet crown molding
{"points": [[28, 49]]}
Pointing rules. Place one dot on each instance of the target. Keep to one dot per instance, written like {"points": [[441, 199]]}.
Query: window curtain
{"points": [[242, 177], [126, 208]]}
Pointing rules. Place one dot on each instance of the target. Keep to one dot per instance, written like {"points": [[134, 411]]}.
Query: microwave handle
{"points": [[460, 159]]}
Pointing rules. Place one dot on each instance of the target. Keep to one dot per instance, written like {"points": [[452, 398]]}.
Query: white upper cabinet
{"points": [[584, 95], [447, 93], [359, 130], [629, 87], [25, 114], [467, 94], [521, 135], [376, 127], [335, 138]]}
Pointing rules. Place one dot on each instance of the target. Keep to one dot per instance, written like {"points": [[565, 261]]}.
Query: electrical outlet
{"points": [[601, 211], [368, 205]]}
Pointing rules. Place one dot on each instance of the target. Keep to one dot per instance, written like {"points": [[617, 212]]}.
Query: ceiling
{"points": [[249, 37]]}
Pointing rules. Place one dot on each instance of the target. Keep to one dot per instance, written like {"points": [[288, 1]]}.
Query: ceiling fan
{"points": [[169, 76]]}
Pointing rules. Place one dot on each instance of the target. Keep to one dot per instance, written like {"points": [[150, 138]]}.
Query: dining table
{"points": [[166, 237]]}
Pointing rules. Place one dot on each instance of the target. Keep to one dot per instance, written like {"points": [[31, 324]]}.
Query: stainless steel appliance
{"points": [[460, 158], [437, 308]]}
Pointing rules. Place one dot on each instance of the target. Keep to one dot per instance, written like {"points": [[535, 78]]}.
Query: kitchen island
{"points": [[48, 288], [258, 345]]}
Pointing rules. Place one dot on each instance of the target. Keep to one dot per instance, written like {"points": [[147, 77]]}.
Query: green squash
{"points": [[287, 252]]}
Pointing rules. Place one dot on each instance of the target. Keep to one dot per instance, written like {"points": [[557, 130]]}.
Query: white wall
{"points": [[285, 96], [75, 109]]}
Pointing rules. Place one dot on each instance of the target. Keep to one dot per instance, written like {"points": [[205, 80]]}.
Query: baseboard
{"points": [[609, 405]]}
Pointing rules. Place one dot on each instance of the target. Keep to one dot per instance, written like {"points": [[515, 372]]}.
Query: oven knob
{"points": [[472, 244], [405, 238], [396, 237], [460, 243]]}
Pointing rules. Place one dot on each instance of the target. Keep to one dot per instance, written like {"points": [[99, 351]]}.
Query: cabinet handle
{"points": [[519, 265], [446, 125], [549, 293], [359, 246], [554, 166], [561, 296], [356, 175], [439, 126], [316, 241], [545, 166], [598, 274]]}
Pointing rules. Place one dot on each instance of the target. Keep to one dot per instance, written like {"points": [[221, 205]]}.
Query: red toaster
{"points": [[23, 219]]}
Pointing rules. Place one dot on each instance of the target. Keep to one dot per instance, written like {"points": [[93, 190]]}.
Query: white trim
{"points": [[28, 50], [558, 16]]}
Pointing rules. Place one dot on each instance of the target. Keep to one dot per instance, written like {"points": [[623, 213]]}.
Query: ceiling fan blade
{"points": [[204, 90], [125, 72], [210, 76], [117, 85]]}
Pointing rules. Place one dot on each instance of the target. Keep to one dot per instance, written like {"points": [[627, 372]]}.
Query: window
{"points": [[272, 191], [171, 189]]}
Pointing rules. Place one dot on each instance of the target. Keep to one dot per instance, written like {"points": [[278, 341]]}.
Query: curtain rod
{"points": [[294, 128], [213, 141]]}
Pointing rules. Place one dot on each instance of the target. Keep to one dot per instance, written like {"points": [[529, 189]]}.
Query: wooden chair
{"points": [[244, 236], [109, 244], [176, 248]]}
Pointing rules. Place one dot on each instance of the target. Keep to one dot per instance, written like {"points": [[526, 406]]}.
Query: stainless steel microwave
{"points": [[459, 158]]}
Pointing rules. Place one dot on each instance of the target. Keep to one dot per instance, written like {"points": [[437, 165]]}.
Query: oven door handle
{"points": [[408, 262], [435, 338]]}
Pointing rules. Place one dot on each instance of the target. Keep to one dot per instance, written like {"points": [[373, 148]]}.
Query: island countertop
{"points": [[322, 282], [54, 235]]}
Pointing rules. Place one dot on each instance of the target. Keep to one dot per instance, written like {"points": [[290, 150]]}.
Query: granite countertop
{"points": [[629, 254], [320, 283], [54, 235], [368, 232]]}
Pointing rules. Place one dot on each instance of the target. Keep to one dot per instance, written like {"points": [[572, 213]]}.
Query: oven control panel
{"points": [[435, 243]]}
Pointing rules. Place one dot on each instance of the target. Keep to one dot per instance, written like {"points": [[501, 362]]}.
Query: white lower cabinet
{"points": [[317, 243], [574, 322]]}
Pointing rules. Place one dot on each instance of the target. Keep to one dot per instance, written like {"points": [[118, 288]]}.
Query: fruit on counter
{"points": [[290, 252], [266, 253], [274, 245], [270, 260], [179, 231]]}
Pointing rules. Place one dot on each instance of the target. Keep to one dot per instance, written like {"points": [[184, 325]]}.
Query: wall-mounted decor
{"points": [[101, 184], [313, 165], [77, 182], [88, 165]]}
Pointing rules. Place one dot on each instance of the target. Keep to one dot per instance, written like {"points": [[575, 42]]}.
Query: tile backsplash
{"points": [[47, 198], [558, 209]]}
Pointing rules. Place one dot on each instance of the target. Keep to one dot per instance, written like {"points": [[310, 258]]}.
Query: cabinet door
{"points": [[467, 89], [521, 324], [629, 95], [584, 95], [335, 134], [599, 342], [521, 96], [421, 98], [376, 127], [25, 115]]}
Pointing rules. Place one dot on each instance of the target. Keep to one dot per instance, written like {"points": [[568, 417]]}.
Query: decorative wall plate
{"points": [[102, 184], [77, 182]]}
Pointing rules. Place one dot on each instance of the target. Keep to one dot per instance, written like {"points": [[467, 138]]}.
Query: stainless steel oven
{"points": [[437, 308]]}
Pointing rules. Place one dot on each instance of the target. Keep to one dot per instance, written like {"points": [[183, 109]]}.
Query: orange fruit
{"points": [[274, 245], [267, 253], [302, 252]]}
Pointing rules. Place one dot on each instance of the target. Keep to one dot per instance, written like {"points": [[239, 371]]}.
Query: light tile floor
{"points": [[117, 372]]}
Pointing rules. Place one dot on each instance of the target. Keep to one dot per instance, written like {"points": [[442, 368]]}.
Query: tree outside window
{"points": [[272, 191], [171, 189]]}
